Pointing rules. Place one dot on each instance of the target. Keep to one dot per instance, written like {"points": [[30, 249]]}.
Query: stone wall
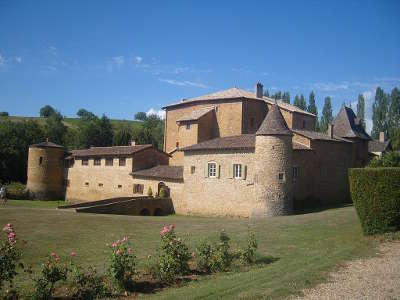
{"points": [[221, 196], [303, 121], [254, 113], [46, 173]]}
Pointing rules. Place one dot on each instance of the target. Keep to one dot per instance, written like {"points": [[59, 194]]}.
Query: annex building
{"points": [[230, 153]]}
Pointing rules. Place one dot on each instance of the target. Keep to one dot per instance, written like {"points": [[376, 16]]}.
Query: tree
{"points": [[55, 129], [151, 132], [312, 108], [122, 137], [141, 116], [277, 95], [46, 111], [361, 109], [4, 114], [300, 102], [394, 113], [326, 117], [286, 97], [379, 113], [84, 114], [266, 93]]}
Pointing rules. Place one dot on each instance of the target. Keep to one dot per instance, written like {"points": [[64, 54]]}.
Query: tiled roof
{"points": [[298, 146], [377, 146], [106, 151], [234, 93], [314, 135], [347, 125], [46, 145], [274, 123], [195, 114], [161, 172], [244, 141]]}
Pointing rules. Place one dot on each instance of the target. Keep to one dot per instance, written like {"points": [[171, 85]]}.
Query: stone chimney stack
{"points": [[382, 136], [330, 130], [133, 142], [259, 90]]}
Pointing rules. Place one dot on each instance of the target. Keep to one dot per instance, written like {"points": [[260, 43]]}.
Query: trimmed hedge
{"points": [[376, 196]]}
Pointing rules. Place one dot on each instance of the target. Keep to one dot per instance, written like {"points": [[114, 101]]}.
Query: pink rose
{"points": [[57, 259], [54, 254], [114, 245], [73, 253], [129, 250], [171, 227], [9, 225], [118, 252], [125, 239]]}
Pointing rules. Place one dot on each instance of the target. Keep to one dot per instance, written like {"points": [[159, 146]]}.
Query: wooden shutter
{"points": [[244, 172], [206, 170], [218, 170], [230, 171]]}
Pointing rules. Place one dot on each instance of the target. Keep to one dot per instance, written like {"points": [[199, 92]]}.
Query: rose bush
{"points": [[9, 256]]}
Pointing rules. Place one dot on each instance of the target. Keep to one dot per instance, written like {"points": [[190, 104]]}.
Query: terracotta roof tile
{"points": [[105, 151], [161, 172], [46, 145], [274, 123], [314, 135]]}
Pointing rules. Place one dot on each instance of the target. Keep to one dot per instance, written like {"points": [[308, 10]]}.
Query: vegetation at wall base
{"points": [[376, 196], [388, 160]]}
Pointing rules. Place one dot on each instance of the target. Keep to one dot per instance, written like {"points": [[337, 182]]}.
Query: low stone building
{"points": [[376, 148]]}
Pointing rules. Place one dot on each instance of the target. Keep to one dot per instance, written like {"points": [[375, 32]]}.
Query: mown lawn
{"points": [[305, 246]]}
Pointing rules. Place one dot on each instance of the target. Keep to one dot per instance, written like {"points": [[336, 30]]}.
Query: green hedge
{"points": [[376, 196], [17, 190]]}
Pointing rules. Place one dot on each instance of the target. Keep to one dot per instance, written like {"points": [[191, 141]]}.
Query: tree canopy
{"points": [[327, 116]]}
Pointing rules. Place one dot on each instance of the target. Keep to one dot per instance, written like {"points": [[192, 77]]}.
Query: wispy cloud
{"points": [[184, 83], [329, 86], [118, 60], [160, 113], [2, 61], [18, 59], [53, 51], [115, 62], [138, 59]]}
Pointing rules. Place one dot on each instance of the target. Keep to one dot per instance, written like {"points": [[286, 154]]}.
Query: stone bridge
{"points": [[135, 206]]}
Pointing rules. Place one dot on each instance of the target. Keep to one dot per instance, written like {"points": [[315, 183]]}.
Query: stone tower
{"points": [[46, 171], [273, 173]]}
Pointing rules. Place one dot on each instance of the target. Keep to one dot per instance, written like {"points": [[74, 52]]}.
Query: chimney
{"points": [[259, 90], [133, 143], [382, 136], [330, 130]]}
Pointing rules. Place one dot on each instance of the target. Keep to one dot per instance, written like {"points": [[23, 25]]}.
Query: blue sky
{"points": [[120, 57]]}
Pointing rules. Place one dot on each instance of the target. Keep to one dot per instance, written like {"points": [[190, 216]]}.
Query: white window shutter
{"points": [[206, 170], [230, 171], [244, 172]]}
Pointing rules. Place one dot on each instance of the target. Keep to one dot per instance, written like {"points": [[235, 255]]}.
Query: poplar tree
{"points": [[361, 109], [300, 102], [326, 117], [312, 108], [266, 93], [286, 97], [379, 112]]}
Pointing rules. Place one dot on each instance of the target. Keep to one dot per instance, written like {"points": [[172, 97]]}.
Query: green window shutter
{"points": [[206, 170], [230, 169]]}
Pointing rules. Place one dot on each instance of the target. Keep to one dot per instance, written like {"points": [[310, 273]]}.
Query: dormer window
{"points": [[187, 126]]}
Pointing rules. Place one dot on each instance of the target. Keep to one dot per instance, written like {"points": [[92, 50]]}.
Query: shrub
{"points": [[149, 192], [389, 159], [17, 190], [87, 284], [9, 256], [173, 257], [376, 196], [122, 263], [223, 257], [205, 257], [163, 193], [51, 273], [248, 255]]}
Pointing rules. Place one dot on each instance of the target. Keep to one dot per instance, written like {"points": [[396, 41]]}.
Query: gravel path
{"points": [[373, 278]]}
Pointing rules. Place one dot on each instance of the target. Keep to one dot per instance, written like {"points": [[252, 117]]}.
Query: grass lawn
{"points": [[305, 246]]}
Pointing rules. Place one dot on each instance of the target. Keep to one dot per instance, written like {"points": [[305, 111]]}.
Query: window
{"points": [[281, 177], [304, 124], [97, 162], [295, 173], [177, 144], [138, 188], [212, 170], [188, 126], [86, 183], [120, 186], [251, 122], [85, 162], [122, 162], [237, 171], [100, 184], [216, 109], [40, 160], [192, 169], [109, 161]]}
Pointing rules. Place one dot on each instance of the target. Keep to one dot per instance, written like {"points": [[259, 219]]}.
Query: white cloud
{"points": [[330, 86], [138, 59], [53, 51], [369, 97], [387, 79], [18, 59], [160, 113], [184, 83], [118, 60], [2, 61]]}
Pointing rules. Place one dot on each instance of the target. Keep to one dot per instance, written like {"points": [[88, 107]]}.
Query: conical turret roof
{"points": [[274, 123]]}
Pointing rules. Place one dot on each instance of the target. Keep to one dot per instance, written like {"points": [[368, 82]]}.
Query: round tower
{"points": [[273, 170], [46, 171]]}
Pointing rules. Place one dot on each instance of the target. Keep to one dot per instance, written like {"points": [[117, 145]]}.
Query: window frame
{"points": [[108, 160], [192, 169], [212, 169], [281, 180], [96, 162], [187, 126], [122, 161], [85, 161], [237, 171], [138, 188]]}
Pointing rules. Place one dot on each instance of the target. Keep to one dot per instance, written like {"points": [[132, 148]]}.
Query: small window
{"points": [[100, 184], [192, 169], [304, 124], [97, 162], [212, 170], [216, 109], [138, 188], [40, 160], [177, 144], [252, 122], [295, 173], [109, 161], [187, 126], [120, 186], [122, 162], [237, 171], [85, 162], [86, 183], [281, 177]]}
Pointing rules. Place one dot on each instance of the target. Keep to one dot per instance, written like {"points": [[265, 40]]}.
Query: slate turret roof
{"points": [[46, 144], [274, 123], [347, 125]]}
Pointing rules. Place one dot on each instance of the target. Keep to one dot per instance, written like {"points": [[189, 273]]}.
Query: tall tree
{"points": [[361, 109], [141, 116], [286, 97], [327, 116], [122, 136], [312, 108], [300, 102], [55, 129], [84, 114], [394, 113], [379, 112], [46, 111], [266, 93], [277, 95]]}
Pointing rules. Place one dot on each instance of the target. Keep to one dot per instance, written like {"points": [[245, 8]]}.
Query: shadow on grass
{"points": [[309, 209]]}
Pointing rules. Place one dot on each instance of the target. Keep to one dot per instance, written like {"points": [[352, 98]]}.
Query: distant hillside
{"points": [[69, 122]]}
